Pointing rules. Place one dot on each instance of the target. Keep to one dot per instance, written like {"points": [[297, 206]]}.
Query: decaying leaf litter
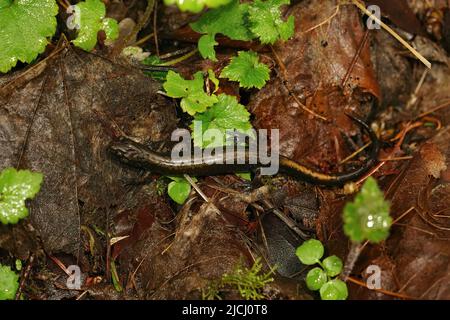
{"points": [[59, 115]]}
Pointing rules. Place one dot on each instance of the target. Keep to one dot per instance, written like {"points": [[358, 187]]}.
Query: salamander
{"points": [[140, 156]]}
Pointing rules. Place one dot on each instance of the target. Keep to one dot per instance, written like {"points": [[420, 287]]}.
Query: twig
{"points": [[350, 262], [196, 187], [24, 276], [155, 28], [179, 59], [142, 40], [289, 222], [355, 58], [323, 22], [442, 106], [386, 292], [354, 154], [413, 99]]}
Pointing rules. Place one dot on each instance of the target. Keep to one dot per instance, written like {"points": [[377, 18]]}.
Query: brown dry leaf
{"points": [[315, 63], [178, 265], [401, 14], [60, 121]]}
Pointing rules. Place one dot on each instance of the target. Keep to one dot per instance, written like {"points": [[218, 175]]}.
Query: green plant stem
{"points": [[350, 262], [179, 59]]}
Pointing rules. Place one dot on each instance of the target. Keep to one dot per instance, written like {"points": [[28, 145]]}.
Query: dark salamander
{"points": [[138, 155]]}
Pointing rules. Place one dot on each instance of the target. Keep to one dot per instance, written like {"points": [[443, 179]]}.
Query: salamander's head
{"points": [[126, 151]]}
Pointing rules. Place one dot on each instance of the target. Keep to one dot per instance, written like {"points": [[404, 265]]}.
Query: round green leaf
{"points": [[332, 265], [315, 279], [179, 191], [334, 290], [9, 283], [310, 252]]}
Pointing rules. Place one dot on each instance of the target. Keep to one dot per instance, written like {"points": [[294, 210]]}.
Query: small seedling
{"points": [[247, 70], [194, 99], [365, 219], [9, 283], [323, 278]]}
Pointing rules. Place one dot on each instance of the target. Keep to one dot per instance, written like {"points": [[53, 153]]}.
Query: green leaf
{"points": [[316, 278], [9, 283], [230, 20], [245, 175], [247, 69], [195, 6], [15, 188], [179, 191], [332, 265], [194, 98], [334, 290], [267, 23], [226, 114], [25, 26], [367, 217], [310, 252], [206, 45], [92, 20], [111, 28]]}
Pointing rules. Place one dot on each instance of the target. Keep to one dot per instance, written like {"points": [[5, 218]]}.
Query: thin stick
{"points": [[24, 277], [323, 22], [386, 292], [142, 40], [392, 33], [196, 187], [288, 221], [180, 59], [352, 257], [354, 154], [155, 28], [442, 106], [355, 58]]}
